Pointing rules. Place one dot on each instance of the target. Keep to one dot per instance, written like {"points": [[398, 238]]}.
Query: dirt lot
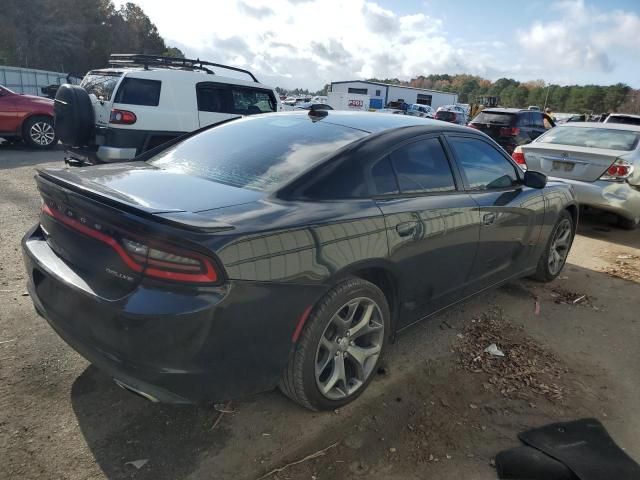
{"points": [[442, 408]]}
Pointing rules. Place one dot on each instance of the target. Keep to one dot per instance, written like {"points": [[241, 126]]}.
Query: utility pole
{"points": [[546, 98]]}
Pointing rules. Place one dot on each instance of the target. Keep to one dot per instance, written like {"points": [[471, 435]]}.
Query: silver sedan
{"points": [[600, 160]]}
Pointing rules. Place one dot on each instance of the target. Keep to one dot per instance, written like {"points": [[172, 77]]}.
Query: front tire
{"points": [[38, 132], [557, 249], [340, 348], [627, 223]]}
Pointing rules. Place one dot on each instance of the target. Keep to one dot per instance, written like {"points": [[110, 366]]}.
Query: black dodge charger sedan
{"points": [[283, 249]]}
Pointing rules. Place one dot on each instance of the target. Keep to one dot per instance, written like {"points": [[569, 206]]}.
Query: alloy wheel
{"points": [[42, 133], [349, 348], [560, 247]]}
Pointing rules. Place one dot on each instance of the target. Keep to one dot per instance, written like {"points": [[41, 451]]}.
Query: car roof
{"points": [[507, 110], [374, 122], [629, 115], [608, 126]]}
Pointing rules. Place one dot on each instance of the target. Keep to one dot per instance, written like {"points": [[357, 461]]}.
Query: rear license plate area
{"points": [[562, 166]]}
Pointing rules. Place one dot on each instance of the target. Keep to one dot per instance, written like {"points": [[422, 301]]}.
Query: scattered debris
{"points": [[525, 367], [392, 450], [536, 309], [8, 341], [625, 269], [317, 454], [25, 294], [563, 296], [494, 350], [221, 413], [138, 463]]}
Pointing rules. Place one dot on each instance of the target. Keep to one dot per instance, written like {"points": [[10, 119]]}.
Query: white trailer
{"points": [[348, 101]]}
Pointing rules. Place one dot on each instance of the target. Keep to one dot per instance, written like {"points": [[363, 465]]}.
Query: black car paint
{"points": [[521, 120], [278, 256]]}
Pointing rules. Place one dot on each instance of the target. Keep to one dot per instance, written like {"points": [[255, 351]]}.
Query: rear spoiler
{"points": [[176, 218]]}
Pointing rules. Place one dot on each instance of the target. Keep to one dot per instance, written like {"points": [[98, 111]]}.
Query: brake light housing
{"points": [[148, 258], [122, 117], [618, 171], [509, 131], [519, 158]]}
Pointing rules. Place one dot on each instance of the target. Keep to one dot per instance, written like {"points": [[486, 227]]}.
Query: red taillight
{"points": [[518, 157], [619, 170], [151, 260], [509, 131], [122, 117]]}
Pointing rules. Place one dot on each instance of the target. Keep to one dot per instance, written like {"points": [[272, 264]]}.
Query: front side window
{"points": [[138, 91], [483, 165], [423, 167]]}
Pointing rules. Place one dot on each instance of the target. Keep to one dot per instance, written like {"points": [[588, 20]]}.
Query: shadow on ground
{"points": [[119, 427], [19, 155], [602, 226]]}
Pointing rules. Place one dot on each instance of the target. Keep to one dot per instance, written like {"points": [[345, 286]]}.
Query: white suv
{"points": [[142, 101]]}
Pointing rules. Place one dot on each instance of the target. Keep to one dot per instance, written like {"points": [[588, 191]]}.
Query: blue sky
{"points": [[307, 43]]}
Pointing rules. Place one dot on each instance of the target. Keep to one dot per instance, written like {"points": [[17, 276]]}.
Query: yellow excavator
{"points": [[482, 102]]}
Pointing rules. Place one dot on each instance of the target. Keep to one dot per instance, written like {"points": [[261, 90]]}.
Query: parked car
{"points": [[511, 127], [451, 116], [419, 110], [142, 101], [600, 160], [283, 249], [623, 118], [26, 118], [313, 106]]}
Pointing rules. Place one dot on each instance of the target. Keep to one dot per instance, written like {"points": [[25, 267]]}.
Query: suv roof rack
{"points": [[146, 61]]}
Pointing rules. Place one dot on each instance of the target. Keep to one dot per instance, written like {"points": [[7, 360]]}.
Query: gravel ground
{"points": [[427, 415]]}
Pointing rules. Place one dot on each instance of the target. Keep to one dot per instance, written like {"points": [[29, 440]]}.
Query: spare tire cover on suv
{"points": [[74, 119]]}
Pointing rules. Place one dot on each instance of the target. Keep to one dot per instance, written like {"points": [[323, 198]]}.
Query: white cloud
{"points": [[307, 43], [584, 37]]}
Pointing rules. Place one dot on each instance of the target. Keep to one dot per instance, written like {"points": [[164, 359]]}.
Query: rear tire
{"points": [[38, 132], [340, 348], [627, 223], [557, 249]]}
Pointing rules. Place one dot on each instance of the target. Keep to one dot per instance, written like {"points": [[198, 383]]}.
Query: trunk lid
{"points": [[571, 162], [150, 189]]}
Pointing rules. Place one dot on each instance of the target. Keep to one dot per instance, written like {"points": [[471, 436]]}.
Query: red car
{"points": [[28, 118]]}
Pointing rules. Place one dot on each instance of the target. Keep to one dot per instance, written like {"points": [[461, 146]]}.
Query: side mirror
{"points": [[535, 179]]}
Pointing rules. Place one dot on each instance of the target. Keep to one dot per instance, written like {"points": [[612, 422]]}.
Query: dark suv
{"points": [[511, 127]]}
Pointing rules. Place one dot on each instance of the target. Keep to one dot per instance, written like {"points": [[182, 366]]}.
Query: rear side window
{"points": [[495, 118], [212, 99], [484, 167], [101, 84], [423, 167], [138, 91], [384, 180], [250, 101]]}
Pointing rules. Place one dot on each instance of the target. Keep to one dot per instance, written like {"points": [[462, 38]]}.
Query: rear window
{"points": [[494, 118], [259, 153], [101, 84], [592, 137], [249, 101], [624, 120], [446, 116], [138, 91]]}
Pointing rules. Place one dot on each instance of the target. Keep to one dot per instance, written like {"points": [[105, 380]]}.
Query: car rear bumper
{"points": [[616, 197], [178, 345]]}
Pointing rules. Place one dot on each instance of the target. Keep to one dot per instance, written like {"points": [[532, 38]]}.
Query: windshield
{"points": [[624, 120], [592, 137], [259, 153], [101, 84], [494, 118]]}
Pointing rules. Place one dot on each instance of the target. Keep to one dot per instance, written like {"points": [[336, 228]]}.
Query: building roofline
{"points": [[394, 85]]}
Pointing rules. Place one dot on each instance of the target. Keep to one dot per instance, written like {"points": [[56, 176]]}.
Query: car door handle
{"points": [[405, 229], [488, 218]]}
